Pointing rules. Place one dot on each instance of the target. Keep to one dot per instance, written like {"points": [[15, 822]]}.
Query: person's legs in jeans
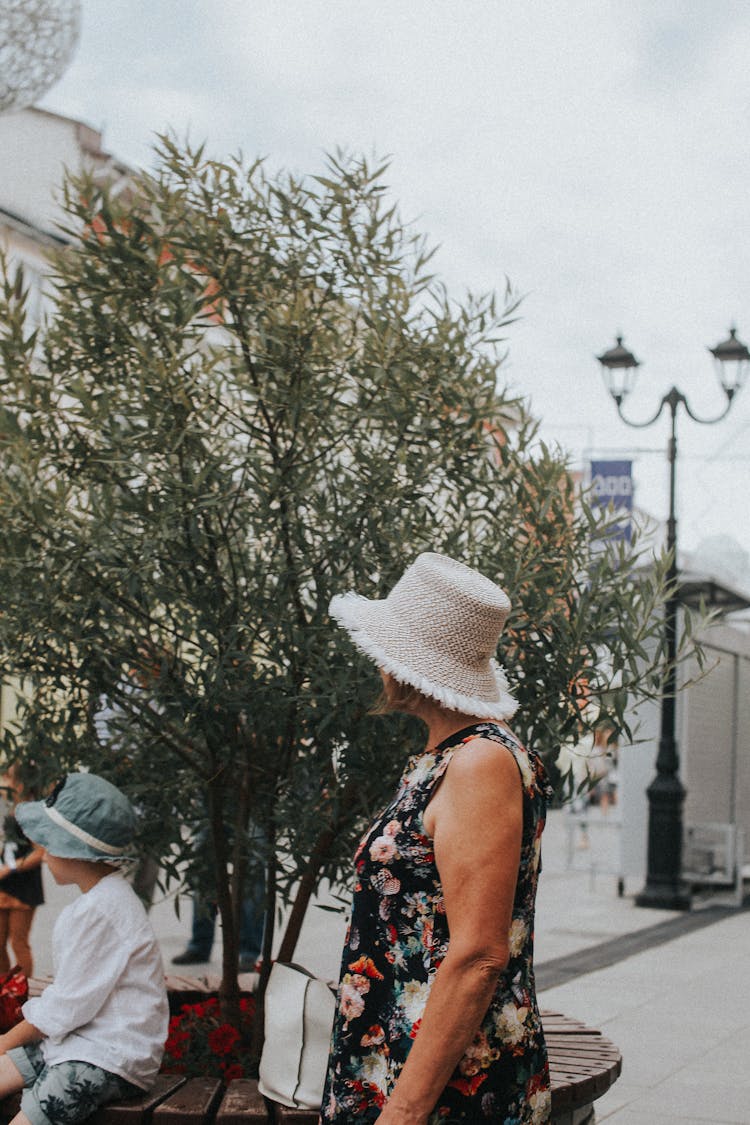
{"points": [[202, 933], [253, 916], [204, 921], [201, 941], [252, 923]]}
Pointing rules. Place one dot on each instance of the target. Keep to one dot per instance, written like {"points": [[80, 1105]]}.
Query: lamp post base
{"points": [[665, 897], [665, 888]]}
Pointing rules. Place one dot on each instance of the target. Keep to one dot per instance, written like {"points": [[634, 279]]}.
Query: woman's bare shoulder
{"points": [[483, 761]]}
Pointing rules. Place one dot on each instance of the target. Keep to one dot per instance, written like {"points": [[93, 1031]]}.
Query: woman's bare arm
{"points": [[476, 822]]}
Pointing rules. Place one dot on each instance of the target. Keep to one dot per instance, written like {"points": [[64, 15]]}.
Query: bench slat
{"points": [[242, 1103], [578, 1083], [583, 1052], [571, 1089], [550, 1017], [192, 1104], [284, 1116], [141, 1108]]}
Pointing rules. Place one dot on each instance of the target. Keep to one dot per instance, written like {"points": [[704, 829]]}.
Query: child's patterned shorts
{"points": [[67, 1092]]}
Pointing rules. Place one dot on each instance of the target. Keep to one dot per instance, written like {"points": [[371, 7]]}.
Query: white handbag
{"points": [[299, 1011]]}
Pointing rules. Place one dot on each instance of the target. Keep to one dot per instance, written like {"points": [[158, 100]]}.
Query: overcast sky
{"points": [[596, 153]]}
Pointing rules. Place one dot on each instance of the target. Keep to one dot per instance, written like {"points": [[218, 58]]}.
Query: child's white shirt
{"points": [[108, 1002]]}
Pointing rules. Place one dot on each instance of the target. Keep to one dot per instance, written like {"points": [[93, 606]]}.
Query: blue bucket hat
{"points": [[84, 817]]}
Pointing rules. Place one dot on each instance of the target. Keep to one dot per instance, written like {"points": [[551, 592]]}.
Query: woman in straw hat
{"points": [[436, 1018]]}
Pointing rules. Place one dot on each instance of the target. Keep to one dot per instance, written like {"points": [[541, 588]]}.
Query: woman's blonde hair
{"points": [[396, 696]]}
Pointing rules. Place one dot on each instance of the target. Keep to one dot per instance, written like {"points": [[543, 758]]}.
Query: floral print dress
{"points": [[397, 938]]}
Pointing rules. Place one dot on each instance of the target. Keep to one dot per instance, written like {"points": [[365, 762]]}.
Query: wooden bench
{"points": [[180, 1101], [583, 1066]]}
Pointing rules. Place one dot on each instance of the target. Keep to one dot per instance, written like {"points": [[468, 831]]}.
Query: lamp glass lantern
{"points": [[732, 362], [620, 368]]}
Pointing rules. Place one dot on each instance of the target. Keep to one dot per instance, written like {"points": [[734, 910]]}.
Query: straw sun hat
{"points": [[437, 631]]}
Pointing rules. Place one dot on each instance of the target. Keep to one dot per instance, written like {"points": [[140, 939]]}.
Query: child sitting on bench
{"points": [[96, 1034]]}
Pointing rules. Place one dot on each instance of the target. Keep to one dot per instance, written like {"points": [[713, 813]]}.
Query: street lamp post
{"points": [[666, 794]]}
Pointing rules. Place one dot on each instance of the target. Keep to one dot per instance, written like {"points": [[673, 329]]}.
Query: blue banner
{"points": [[612, 486]]}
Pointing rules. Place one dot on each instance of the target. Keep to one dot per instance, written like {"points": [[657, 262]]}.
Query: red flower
{"points": [[200, 1044], [378, 1097], [223, 1038], [366, 967], [232, 1071], [537, 1082], [370, 1095], [175, 1041], [468, 1086], [373, 1037]]}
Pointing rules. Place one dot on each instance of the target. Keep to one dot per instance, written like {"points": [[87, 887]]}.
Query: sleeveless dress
{"points": [[398, 937]]}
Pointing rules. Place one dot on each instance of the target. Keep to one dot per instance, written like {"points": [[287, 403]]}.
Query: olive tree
{"points": [[251, 395]]}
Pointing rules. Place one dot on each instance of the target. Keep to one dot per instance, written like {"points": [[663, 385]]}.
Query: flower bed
{"points": [[200, 1045]]}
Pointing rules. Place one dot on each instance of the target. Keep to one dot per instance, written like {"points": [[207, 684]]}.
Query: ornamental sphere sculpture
{"points": [[37, 41]]}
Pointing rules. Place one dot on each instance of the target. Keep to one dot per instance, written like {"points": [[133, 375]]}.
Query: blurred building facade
{"points": [[36, 148]]}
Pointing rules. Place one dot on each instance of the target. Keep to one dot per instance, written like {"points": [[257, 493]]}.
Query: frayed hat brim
{"points": [[355, 613]]}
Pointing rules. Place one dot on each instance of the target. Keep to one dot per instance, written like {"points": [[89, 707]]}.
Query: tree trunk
{"points": [[265, 969], [229, 990], [305, 891], [309, 880]]}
